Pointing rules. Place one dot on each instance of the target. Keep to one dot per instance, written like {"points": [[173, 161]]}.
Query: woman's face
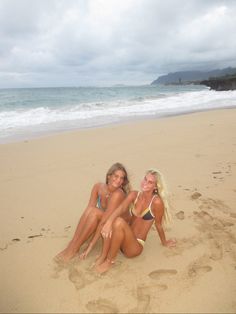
{"points": [[148, 183], [116, 179]]}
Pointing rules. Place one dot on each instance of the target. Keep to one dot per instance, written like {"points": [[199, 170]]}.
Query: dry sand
{"points": [[45, 184]]}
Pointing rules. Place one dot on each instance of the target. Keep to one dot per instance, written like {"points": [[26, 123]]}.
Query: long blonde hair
{"points": [[162, 192]]}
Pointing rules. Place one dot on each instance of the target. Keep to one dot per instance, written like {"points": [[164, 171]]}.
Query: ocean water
{"points": [[27, 113]]}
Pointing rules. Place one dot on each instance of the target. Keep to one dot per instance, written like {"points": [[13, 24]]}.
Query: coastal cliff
{"points": [[221, 83], [192, 77]]}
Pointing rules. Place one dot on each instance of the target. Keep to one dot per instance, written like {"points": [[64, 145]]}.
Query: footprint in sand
{"points": [[67, 228], [102, 306], [160, 273], [77, 278], [225, 171], [144, 297], [196, 270], [35, 236], [4, 247], [81, 278], [203, 215], [16, 240], [218, 175], [184, 244], [210, 222], [208, 203], [195, 195], [180, 215], [216, 251], [58, 268], [143, 301]]}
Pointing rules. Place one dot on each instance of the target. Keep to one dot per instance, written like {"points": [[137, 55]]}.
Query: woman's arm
{"points": [[158, 210], [94, 195], [124, 206], [113, 203]]}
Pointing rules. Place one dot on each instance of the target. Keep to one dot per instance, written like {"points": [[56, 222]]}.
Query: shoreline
{"points": [[45, 185], [129, 120]]}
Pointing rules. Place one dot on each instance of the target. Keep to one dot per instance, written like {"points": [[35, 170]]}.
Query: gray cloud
{"points": [[103, 42]]}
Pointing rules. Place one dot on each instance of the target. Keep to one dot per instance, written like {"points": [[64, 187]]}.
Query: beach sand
{"points": [[45, 185]]}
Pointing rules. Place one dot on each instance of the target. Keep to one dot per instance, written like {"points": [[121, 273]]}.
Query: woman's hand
{"points": [[85, 253], [106, 231], [170, 243]]}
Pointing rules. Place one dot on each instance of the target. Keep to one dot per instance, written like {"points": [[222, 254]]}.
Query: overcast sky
{"points": [[106, 42]]}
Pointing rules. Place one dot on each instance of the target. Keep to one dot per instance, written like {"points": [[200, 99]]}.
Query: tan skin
{"points": [[124, 236], [111, 197]]}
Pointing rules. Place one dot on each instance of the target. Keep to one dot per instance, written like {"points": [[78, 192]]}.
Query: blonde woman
{"points": [[145, 207], [104, 199]]}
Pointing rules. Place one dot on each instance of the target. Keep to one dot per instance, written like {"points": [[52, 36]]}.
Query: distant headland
{"points": [[218, 79]]}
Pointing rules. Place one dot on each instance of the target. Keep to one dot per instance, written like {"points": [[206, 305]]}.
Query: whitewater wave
{"points": [[89, 114]]}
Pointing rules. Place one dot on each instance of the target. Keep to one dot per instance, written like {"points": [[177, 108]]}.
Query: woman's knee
{"points": [[118, 223], [132, 254], [88, 211], [92, 213]]}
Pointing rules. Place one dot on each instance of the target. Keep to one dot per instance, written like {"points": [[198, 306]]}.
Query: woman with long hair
{"points": [[104, 199]]}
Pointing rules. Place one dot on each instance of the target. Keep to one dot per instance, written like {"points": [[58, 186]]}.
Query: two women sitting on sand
{"points": [[125, 225]]}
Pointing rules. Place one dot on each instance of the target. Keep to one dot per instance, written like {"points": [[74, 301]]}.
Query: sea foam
{"points": [[50, 116]]}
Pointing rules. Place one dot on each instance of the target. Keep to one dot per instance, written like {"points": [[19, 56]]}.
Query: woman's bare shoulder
{"points": [[118, 192], [133, 194], [121, 194], [99, 185], [158, 208], [158, 202]]}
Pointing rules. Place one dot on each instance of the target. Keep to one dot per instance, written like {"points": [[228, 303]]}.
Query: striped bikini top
{"points": [[99, 203], [147, 214]]}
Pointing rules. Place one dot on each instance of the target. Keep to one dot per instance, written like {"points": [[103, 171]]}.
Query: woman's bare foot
{"points": [[171, 243], [85, 253], [64, 257], [100, 260], [105, 266]]}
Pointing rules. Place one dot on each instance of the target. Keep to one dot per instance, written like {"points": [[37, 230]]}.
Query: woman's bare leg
{"points": [[105, 249], [87, 225], [122, 238]]}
